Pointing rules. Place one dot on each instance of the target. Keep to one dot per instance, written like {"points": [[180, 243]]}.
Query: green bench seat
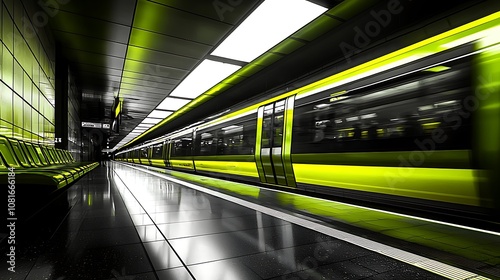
{"points": [[37, 164]]}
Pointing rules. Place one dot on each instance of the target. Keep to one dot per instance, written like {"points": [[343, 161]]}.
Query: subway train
{"points": [[418, 127]]}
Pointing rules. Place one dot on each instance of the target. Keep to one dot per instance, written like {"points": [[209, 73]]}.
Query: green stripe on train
{"points": [[242, 158], [182, 163], [446, 185], [158, 162], [248, 169]]}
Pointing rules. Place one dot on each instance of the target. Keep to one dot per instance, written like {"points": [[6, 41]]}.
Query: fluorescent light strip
{"points": [[150, 121], [159, 114], [433, 266], [203, 77], [269, 24], [172, 104]]}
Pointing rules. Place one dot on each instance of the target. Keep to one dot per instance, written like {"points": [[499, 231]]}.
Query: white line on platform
{"points": [[433, 266]]}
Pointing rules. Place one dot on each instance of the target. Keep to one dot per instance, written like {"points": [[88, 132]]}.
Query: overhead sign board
{"points": [[91, 124], [96, 125]]}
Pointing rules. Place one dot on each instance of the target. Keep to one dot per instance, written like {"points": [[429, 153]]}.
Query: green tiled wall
{"points": [[27, 77]]}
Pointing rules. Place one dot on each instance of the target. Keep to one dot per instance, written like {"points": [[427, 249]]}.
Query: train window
{"points": [[205, 143], [267, 126], [237, 138], [143, 153], [158, 151], [396, 117], [182, 147]]}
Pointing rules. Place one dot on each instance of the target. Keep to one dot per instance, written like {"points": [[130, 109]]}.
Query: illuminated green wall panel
{"points": [[7, 28], [17, 107], [7, 67], [5, 98], [27, 116], [27, 77]]}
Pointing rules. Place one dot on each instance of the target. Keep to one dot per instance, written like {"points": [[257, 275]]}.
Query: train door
{"points": [[273, 144], [150, 155], [166, 151]]}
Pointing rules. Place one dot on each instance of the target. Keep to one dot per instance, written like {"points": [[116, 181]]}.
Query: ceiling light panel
{"points": [[269, 24], [158, 114], [173, 104], [145, 125], [203, 77], [151, 121]]}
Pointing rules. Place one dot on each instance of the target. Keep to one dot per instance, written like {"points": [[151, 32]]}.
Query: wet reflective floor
{"points": [[119, 222]]}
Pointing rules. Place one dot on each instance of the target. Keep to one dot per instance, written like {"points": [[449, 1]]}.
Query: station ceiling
{"points": [[141, 50]]}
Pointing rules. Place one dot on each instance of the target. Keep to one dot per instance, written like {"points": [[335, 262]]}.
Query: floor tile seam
{"points": [[235, 258], [164, 237], [229, 259], [108, 246], [173, 267], [173, 223], [67, 219], [216, 233], [380, 248], [198, 210], [190, 211], [220, 232], [104, 228], [196, 220]]}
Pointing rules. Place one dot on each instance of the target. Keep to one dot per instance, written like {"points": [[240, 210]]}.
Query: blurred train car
{"points": [[418, 127]]}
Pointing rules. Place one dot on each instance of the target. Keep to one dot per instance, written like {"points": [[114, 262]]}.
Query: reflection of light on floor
{"points": [[194, 200], [260, 230], [433, 266], [135, 196], [288, 242]]}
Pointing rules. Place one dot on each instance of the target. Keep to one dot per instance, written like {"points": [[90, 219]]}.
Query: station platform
{"points": [[128, 222]]}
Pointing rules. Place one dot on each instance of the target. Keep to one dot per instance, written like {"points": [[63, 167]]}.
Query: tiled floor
{"points": [[121, 223]]}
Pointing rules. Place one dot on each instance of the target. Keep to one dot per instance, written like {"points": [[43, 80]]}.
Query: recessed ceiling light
{"points": [[173, 104], [159, 114], [269, 24], [203, 77]]}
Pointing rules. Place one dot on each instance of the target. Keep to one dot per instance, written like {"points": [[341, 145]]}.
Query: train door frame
{"points": [[166, 153], [149, 151], [193, 142], [273, 161]]}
